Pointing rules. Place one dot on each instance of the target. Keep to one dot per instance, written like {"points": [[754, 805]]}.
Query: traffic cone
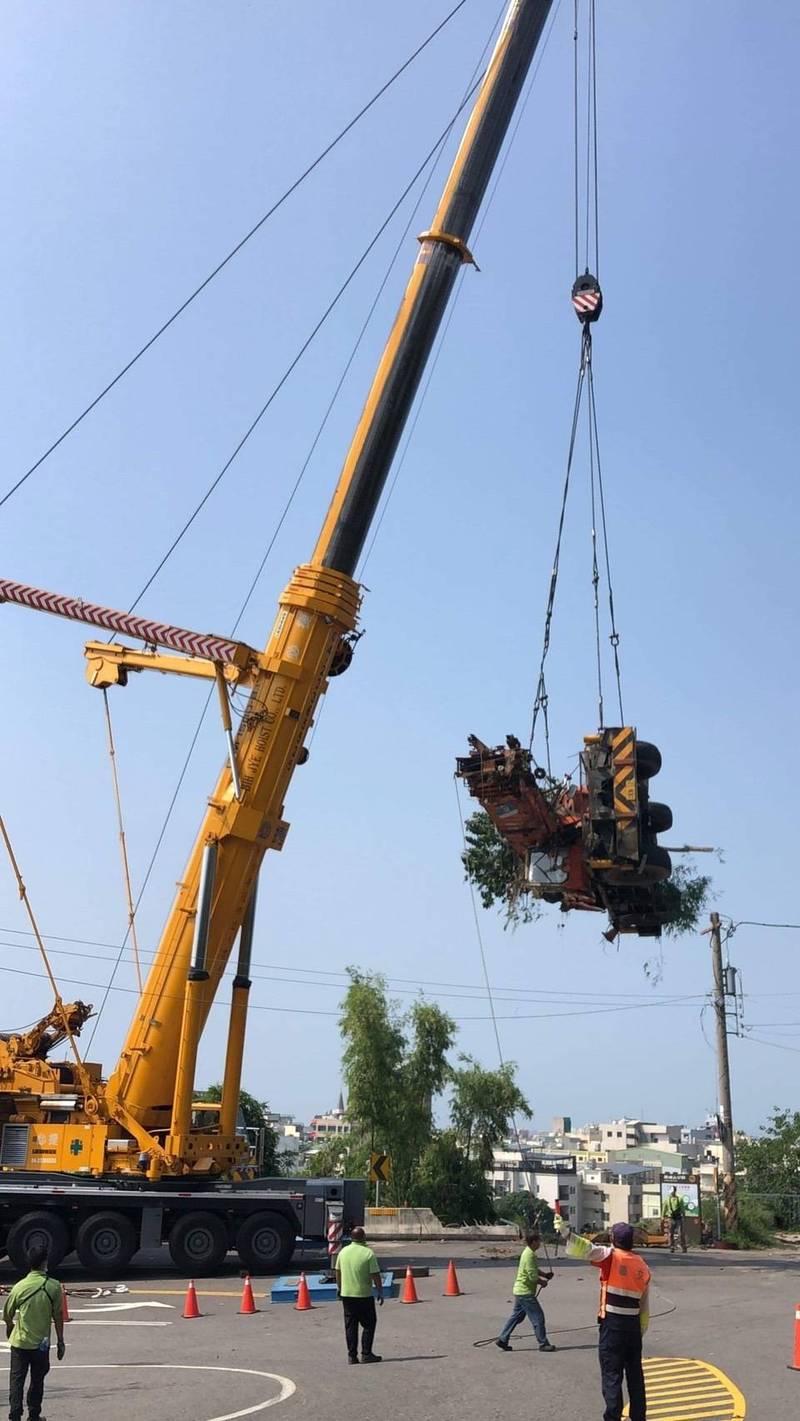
{"points": [[65, 1317], [248, 1303], [452, 1289], [190, 1308], [409, 1293], [304, 1303], [795, 1367]]}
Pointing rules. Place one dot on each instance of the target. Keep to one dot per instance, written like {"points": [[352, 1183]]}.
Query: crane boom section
{"points": [[317, 611]]}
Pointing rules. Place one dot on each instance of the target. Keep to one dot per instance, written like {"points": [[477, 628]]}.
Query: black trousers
{"points": [[620, 1352], [23, 1359], [359, 1311]]}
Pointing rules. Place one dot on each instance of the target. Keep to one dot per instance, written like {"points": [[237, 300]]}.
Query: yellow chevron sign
{"points": [[683, 1389]]}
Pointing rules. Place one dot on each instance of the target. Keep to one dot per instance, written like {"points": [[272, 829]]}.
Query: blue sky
{"points": [[145, 139]]}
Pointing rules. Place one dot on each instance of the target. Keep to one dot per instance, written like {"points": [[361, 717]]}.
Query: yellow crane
{"points": [[115, 1150]]}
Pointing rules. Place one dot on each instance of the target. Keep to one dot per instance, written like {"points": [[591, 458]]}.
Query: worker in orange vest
{"points": [[623, 1315]]}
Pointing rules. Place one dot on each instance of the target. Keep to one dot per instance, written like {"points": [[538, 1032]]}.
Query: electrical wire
{"points": [[295, 361], [518, 993], [234, 251], [258, 1006]]}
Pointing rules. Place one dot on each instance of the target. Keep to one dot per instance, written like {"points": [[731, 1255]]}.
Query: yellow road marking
{"points": [[201, 1293], [684, 1389]]}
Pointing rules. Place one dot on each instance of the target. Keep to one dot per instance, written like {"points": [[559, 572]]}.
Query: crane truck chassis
{"points": [[107, 1222]]}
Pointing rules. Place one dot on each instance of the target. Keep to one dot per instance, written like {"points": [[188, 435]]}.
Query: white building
{"points": [[552, 1178]]}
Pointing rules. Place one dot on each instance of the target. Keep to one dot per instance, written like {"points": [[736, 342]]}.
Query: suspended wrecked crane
{"points": [[108, 1165], [592, 845], [587, 846]]}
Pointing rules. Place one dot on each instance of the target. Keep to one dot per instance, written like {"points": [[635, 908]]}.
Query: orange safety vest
{"points": [[624, 1278]]}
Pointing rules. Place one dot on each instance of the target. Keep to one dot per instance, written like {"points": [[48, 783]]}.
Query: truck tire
{"points": [[198, 1243], [648, 760], [265, 1243], [659, 817], [105, 1243], [37, 1229]]}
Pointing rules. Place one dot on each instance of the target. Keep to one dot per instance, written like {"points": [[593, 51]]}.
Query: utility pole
{"points": [[730, 1206]]}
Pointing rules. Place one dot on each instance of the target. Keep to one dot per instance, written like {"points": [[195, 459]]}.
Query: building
{"points": [[329, 1126], [621, 1192], [551, 1178]]}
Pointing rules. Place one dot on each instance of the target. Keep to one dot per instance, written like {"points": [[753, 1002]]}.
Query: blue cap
{"points": [[622, 1236]]}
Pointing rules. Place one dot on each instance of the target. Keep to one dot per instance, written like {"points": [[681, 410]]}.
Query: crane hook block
{"points": [[587, 298]]}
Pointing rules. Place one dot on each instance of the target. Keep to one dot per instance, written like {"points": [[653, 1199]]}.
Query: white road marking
{"points": [[118, 1307], [287, 1386], [115, 1322]]}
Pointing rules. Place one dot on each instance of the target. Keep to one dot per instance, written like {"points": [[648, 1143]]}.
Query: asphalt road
{"points": [[131, 1355]]}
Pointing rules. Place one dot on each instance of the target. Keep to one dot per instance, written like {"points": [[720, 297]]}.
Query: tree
{"points": [[394, 1066], [343, 1157], [483, 1106], [525, 1209], [772, 1162], [454, 1187], [253, 1113]]}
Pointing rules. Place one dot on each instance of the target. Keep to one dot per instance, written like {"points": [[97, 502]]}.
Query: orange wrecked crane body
{"points": [[591, 845]]}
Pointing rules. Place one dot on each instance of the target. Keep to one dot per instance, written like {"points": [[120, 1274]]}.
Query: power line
{"points": [[233, 252], [295, 361], [750, 923]]}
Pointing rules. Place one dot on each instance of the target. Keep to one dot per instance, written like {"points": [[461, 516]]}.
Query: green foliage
{"points": [[253, 1113], [342, 1157], [772, 1162], [393, 1065], [756, 1224], [682, 899], [454, 1186], [526, 1209], [483, 1107], [495, 871]]}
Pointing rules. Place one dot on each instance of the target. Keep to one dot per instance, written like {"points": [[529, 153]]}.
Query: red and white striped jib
{"points": [[211, 648]]}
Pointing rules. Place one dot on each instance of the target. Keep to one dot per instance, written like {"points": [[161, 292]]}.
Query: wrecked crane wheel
{"points": [[105, 1243], [37, 1230], [648, 760], [198, 1243], [659, 817]]}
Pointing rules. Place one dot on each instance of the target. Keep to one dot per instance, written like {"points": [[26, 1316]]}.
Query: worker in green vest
{"points": [[34, 1305], [528, 1282], [357, 1271], [673, 1214]]}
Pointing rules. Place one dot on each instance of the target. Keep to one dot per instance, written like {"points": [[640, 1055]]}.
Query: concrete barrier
{"points": [[423, 1223]]}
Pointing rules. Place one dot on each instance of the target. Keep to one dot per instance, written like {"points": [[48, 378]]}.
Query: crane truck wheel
{"points": [[265, 1243], [105, 1243], [39, 1229], [198, 1243]]}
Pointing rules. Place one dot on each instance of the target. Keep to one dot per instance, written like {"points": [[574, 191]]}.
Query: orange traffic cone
{"points": [[248, 1303], [795, 1367], [452, 1289], [409, 1293], [65, 1317], [304, 1303], [190, 1308]]}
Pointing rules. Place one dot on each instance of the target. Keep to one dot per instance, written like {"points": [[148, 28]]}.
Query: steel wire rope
{"points": [[234, 251], [431, 157], [487, 980]]}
